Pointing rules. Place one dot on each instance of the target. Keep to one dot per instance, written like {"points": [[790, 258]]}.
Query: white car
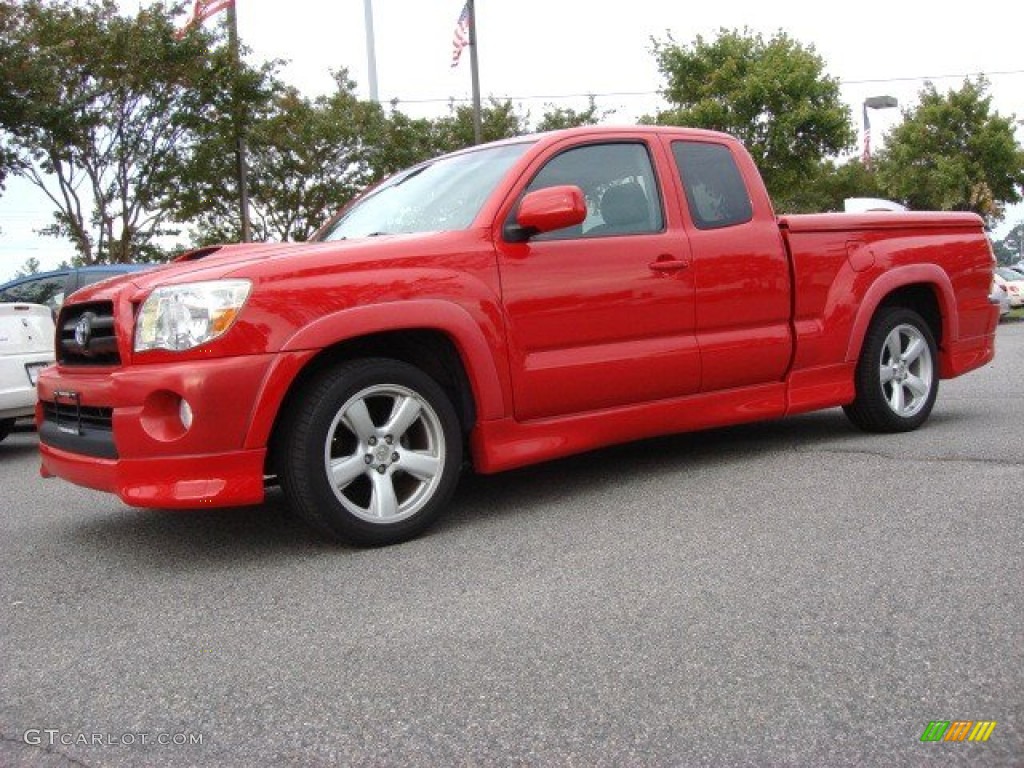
{"points": [[998, 296], [1013, 282], [26, 347]]}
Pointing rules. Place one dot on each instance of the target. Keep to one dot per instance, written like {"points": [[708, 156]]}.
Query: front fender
{"points": [[479, 340]]}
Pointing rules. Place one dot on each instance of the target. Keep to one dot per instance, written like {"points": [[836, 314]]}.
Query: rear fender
{"points": [[900, 277]]}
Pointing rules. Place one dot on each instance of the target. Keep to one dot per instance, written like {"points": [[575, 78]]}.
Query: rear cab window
{"points": [[714, 188]]}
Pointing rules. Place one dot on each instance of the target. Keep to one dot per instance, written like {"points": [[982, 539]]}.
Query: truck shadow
{"points": [[211, 537], [516, 492]]}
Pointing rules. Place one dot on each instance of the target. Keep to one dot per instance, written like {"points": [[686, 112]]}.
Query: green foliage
{"points": [[30, 267], [558, 118], [400, 141], [305, 159], [1010, 250], [498, 120], [951, 153], [14, 77], [772, 95], [829, 185], [113, 109]]}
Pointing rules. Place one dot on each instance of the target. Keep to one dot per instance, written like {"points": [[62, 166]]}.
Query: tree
{"points": [[772, 95], [557, 118], [402, 141], [14, 104], [30, 267], [830, 185], [112, 107], [951, 153], [306, 159], [1010, 250], [498, 120]]}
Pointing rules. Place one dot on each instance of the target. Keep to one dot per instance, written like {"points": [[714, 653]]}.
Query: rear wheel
{"points": [[897, 377], [6, 427], [371, 452]]}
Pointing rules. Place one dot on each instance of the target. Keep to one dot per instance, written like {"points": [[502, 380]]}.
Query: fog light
{"points": [[185, 413]]}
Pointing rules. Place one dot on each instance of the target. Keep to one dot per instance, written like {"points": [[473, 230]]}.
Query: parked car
{"points": [[998, 295], [870, 204], [1013, 282], [26, 347], [51, 288]]}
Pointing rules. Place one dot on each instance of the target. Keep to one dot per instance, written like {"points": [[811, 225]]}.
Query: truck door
{"points": [[600, 315], [740, 270]]}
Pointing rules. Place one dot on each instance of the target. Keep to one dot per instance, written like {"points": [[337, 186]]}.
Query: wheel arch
{"points": [[438, 337], [924, 288]]}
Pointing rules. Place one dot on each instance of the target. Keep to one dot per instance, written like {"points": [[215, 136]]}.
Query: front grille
{"points": [[80, 417], [87, 335], [83, 429]]}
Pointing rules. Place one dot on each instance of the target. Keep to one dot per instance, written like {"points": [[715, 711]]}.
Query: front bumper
{"points": [[120, 430], [177, 482]]}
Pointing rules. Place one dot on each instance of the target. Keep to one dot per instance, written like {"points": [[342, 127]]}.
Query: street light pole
{"points": [[371, 52], [873, 102]]}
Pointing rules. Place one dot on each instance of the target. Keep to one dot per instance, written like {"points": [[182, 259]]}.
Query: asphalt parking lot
{"points": [[787, 594]]}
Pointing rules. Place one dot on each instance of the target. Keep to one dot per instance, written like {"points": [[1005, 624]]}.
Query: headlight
{"points": [[179, 317]]}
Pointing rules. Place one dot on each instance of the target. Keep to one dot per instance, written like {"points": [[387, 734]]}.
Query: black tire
{"points": [[897, 376], [370, 452], [6, 427]]}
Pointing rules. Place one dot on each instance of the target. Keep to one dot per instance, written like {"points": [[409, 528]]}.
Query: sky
{"points": [[547, 53]]}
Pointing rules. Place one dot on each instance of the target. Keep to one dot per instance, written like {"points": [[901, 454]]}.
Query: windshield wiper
{"points": [[411, 175]]}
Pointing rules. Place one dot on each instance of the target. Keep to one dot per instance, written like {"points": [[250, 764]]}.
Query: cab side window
{"points": [[618, 183], [715, 192]]}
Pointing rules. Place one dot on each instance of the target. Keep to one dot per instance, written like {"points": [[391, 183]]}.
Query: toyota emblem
{"points": [[83, 330]]}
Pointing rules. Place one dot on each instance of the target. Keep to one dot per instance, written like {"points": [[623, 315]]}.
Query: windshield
{"points": [[1009, 274], [441, 195]]}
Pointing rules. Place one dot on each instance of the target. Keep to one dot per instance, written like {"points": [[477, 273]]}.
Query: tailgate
{"points": [[25, 329]]}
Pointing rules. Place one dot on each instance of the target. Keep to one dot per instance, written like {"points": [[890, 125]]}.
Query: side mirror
{"points": [[546, 210]]}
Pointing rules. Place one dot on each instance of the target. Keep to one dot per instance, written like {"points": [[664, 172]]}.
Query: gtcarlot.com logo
{"points": [[52, 737], [958, 730]]}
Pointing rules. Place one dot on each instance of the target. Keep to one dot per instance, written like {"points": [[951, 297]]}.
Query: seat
{"points": [[624, 208]]}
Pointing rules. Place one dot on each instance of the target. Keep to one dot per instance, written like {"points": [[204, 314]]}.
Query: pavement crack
{"points": [[918, 459], [24, 746]]}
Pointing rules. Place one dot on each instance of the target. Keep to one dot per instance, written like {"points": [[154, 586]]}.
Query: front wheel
{"points": [[371, 451], [897, 376], [6, 427]]}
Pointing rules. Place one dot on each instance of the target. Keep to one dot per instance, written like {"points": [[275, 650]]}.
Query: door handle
{"points": [[668, 264]]}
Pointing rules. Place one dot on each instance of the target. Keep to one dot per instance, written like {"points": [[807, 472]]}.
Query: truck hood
{"points": [[257, 260]]}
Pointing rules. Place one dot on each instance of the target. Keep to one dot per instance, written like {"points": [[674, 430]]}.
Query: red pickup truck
{"points": [[501, 306]]}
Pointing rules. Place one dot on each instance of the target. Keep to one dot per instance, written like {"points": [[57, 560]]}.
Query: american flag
{"points": [[201, 11], [460, 39]]}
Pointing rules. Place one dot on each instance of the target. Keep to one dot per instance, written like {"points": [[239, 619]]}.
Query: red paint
{"points": [[567, 344]]}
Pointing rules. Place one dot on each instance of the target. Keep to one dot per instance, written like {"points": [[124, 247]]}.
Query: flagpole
{"points": [[240, 150], [477, 128]]}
